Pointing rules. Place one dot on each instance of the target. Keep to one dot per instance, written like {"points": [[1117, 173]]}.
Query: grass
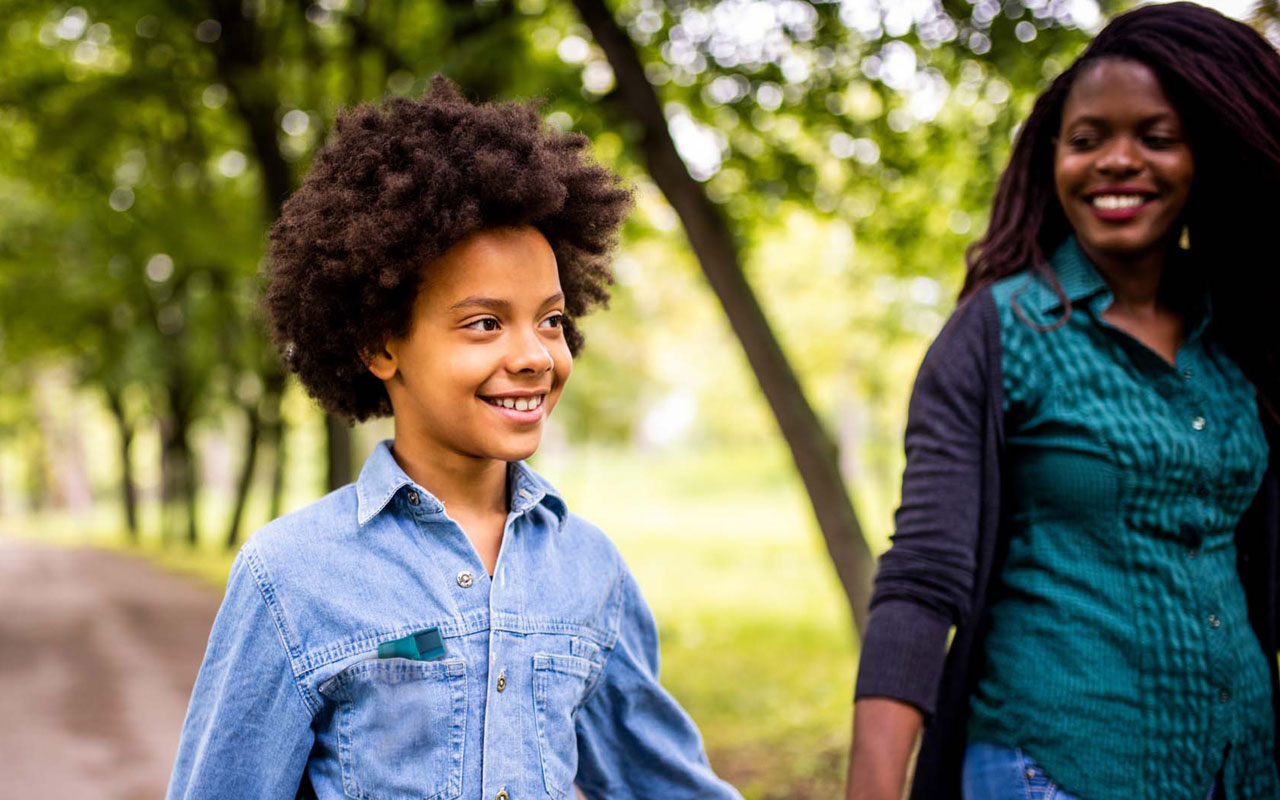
{"points": [[756, 638]]}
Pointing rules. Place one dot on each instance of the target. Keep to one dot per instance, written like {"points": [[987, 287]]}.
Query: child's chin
{"points": [[515, 451]]}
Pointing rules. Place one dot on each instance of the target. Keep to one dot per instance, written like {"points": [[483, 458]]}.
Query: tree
{"points": [[888, 118], [695, 52]]}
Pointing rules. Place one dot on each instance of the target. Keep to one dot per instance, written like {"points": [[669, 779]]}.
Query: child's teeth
{"points": [[521, 403]]}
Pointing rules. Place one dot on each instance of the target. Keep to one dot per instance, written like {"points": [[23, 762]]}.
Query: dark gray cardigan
{"points": [[948, 541]]}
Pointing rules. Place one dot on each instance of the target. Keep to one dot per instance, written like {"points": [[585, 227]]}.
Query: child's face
{"points": [[486, 335]]}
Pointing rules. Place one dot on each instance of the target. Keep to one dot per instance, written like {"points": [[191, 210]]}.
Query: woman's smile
{"points": [[1122, 166], [1120, 203]]}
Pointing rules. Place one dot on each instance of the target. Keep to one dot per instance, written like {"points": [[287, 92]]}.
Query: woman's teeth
{"points": [[1110, 202], [518, 403]]}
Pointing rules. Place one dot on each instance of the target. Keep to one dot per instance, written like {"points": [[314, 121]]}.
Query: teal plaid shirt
{"points": [[1120, 655]]}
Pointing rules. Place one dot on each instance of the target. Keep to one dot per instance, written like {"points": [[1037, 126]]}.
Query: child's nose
{"points": [[529, 354]]}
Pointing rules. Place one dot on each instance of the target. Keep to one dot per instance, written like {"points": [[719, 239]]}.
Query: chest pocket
{"points": [[559, 685], [401, 726]]}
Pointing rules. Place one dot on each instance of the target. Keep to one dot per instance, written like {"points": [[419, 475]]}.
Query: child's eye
{"points": [[485, 324], [554, 321]]}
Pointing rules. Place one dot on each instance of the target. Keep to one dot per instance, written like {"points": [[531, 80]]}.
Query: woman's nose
{"points": [[1120, 156]]}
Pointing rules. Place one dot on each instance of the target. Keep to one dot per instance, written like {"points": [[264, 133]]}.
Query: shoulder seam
{"points": [[265, 588]]}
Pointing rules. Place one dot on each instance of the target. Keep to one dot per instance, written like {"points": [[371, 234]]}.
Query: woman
{"points": [[1087, 496]]}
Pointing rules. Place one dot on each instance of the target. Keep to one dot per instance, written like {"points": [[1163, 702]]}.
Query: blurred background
{"points": [[808, 173]]}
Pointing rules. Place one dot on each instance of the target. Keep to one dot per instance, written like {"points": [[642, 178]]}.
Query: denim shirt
{"points": [[549, 675]]}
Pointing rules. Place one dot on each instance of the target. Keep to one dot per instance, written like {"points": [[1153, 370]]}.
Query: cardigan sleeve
{"points": [[925, 580]]}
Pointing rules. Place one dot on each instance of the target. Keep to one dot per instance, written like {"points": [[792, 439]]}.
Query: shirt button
{"points": [[1198, 423], [1186, 373], [1224, 696], [465, 580], [413, 498], [1192, 553], [502, 680], [1202, 491], [502, 795], [1214, 622]]}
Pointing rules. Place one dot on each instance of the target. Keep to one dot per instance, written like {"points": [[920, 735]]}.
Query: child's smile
{"points": [[520, 407], [485, 359]]}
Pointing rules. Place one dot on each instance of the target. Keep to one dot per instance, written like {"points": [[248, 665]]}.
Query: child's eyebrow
{"points": [[491, 303], [494, 304]]}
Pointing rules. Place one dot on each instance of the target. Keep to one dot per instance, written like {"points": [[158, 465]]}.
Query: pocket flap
{"points": [[570, 665]]}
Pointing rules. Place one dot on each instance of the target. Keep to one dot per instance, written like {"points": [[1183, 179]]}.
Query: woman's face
{"points": [[1122, 165]]}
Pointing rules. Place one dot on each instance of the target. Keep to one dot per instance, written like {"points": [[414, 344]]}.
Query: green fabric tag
{"points": [[421, 646]]}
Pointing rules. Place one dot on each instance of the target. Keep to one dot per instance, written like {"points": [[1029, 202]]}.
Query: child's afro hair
{"points": [[398, 185]]}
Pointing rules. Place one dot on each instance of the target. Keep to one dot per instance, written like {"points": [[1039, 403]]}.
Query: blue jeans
{"points": [[995, 772]]}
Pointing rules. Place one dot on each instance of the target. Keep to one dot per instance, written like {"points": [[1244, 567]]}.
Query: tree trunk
{"points": [[177, 463], [190, 488], [339, 438], [252, 436], [274, 437], [128, 491], [812, 449], [177, 488], [241, 58]]}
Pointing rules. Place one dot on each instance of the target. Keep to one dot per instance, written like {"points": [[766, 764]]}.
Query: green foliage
{"points": [[135, 129]]}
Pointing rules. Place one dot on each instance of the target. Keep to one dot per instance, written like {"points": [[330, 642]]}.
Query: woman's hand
{"points": [[884, 738]]}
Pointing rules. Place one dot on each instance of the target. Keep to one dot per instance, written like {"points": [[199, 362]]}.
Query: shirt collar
{"points": [[529, 489], [381, 478], [1079, 279], [1081, 282]]}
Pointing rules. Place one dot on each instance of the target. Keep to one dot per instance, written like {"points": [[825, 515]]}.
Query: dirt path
{"points": [[98, 652]]}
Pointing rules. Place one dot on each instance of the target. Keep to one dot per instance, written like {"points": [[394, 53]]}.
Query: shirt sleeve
{"points": [[635, 742], [248, 731], [925, 580]]}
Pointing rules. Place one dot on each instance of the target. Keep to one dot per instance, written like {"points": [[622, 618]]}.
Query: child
{"points": [[444, 627]]}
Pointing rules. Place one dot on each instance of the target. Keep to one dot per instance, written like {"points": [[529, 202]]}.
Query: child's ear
{"points": [[382, 363]]}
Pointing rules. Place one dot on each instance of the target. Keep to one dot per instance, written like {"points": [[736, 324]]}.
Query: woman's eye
{"points": [[1081, 142], [554, 321], [485, 324], [1160, 142]]}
